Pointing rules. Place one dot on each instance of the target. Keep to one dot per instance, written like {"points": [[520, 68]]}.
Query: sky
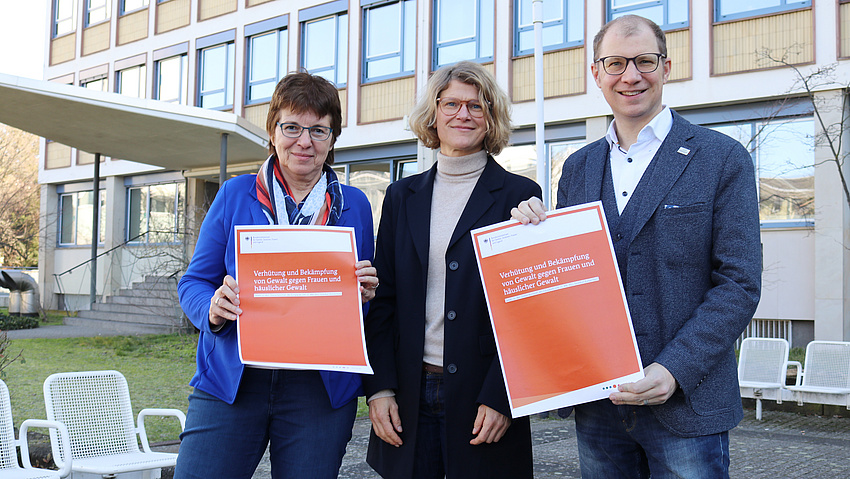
{"points": [[22, 37]]}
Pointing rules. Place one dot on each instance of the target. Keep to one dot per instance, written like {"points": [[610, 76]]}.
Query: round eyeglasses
{"points": [[450, 106], [294, 130], [645, 63]]}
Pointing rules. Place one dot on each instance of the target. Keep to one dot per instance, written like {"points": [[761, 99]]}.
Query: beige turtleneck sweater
{"points": [[453, 185]]}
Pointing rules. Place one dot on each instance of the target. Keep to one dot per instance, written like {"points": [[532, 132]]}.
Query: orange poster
{"points": [[300, 298], [558, 310]]}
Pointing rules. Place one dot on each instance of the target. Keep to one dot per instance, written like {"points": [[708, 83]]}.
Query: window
{"points": [[372, 179], [463, 30], [97, 11], [783, 154], [63, 17], [155, 213], [267, 64], [563, 25], [735, 9], [389, 43], [172, 82], [522, 160], [558, 154], [75, 218], [131, 81], [128, 6], [216, 72], [99, 84], [325, 48], [405, 168], [668, 14]]}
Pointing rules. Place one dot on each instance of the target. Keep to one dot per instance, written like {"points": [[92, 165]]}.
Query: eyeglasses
{"points": [[450, 106], [645, 63], [294, 130]]}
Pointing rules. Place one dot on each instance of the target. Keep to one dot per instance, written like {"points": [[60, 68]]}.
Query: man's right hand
{"points": [[529, 211], [383, 412]]}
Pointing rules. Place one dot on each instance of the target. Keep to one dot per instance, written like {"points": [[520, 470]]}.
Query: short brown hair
{"points": [[631, 25], [302, 92], [423, 117]]}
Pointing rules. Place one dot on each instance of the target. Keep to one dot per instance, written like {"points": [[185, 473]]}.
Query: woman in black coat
{"points": [[437, 400]]}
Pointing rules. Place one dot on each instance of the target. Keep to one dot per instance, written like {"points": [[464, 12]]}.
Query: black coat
{"points": [[395, 328]]}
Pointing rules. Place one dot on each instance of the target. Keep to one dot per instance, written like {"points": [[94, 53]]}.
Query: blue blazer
{"points": [[219, 369], [690, 259]]}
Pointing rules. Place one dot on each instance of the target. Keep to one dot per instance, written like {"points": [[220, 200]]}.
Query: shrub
{"points": [[9, 323]]}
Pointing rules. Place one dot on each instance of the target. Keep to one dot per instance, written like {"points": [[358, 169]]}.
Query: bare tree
{"points": [[19, 197], [809, 83]]}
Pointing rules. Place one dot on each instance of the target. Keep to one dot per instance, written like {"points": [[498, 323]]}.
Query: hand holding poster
{"points": [[558, 310], [300, 298]]}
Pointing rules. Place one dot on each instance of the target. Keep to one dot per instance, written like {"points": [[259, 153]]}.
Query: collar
{"points": [[657, 128]]}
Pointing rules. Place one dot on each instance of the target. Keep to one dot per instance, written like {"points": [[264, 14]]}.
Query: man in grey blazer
{"points": [[682, 208]]}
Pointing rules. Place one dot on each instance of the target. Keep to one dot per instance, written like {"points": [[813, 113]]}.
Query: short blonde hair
{"points": [[423, 117]]}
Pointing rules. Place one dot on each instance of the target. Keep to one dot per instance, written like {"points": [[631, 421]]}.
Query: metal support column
{"points": [[95, 236], [222, 165], [539, 95]]}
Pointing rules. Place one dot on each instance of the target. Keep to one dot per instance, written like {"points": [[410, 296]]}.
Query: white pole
{"points": [[539, 141]]}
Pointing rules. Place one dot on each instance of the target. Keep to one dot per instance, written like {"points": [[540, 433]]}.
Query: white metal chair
{"points": [[762, 367], [95, 407], [826, 377], [9, 467]]}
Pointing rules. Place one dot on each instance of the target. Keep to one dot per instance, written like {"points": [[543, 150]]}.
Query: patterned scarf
{"points": [[286, 211]]}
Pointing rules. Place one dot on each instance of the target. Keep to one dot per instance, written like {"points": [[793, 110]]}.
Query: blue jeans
{"points": [[287, 409], [629, 442], [430, 451]]}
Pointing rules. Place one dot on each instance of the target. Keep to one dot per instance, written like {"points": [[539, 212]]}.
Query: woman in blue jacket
{"points": [[235, 412]]}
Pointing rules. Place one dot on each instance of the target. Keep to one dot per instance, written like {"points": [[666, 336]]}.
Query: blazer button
{"points": [[453, 265], [451, 315], [451, 368], [619, 236]]}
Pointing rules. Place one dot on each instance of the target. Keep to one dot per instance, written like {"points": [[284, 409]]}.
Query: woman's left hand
{"points": [[367, 275]]}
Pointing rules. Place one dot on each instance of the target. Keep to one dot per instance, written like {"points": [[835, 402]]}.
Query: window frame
{"points": [[784, 6], [122, 7], [229, 76], [566, 43], [75, 205], [56, 20], [106, 8], [340, 54], [404, 50], [611, 11], [143, 81], [143, 238], [184, 79], [280, 27], [476, 38]]}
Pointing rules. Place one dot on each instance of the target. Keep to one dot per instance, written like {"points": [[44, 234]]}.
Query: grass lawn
{"points": [[157, 367]]}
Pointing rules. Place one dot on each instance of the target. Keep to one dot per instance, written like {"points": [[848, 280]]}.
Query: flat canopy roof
{"points": [[175, 137]]}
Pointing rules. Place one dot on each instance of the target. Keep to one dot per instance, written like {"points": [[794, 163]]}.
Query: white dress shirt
{"points": [[628, 167]]}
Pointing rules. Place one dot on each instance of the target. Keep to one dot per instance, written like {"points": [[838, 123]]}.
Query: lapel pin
{"points": [[683, 151]]}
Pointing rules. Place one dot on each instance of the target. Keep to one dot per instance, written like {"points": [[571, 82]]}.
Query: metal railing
{"points": [[57, 277], [767, 328]]}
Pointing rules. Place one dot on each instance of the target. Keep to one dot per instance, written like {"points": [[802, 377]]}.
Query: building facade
{"points": [[737, 66]]}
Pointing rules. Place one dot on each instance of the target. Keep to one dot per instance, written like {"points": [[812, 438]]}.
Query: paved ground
{"points": [[60, 331], [783, 445]]}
